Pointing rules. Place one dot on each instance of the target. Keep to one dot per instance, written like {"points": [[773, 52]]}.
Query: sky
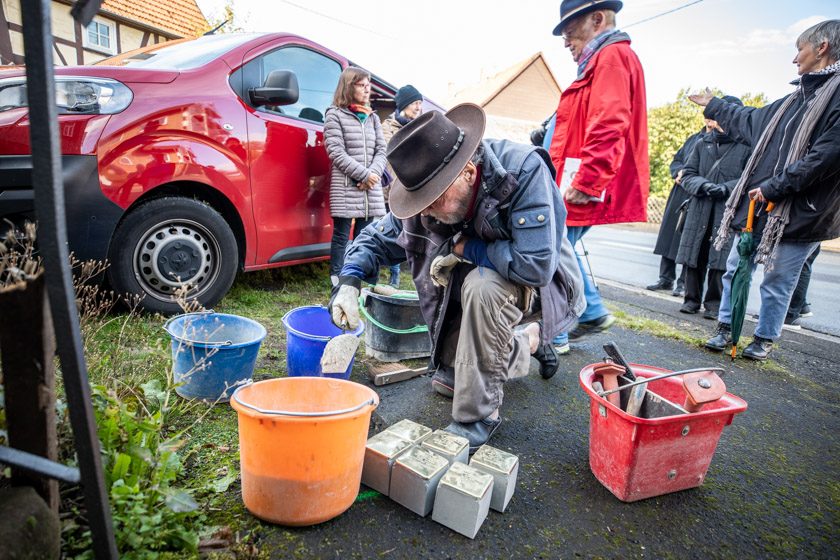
{"points": [[439, 46]]}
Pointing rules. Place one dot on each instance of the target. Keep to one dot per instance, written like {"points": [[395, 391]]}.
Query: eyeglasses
{"points": [[363, 85], [572, 30]]}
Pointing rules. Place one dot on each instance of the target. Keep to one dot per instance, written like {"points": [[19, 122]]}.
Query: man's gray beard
{"points": [[455, 217]]}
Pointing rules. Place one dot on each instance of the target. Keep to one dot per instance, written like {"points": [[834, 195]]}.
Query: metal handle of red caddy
{"points": [[720, 371]]}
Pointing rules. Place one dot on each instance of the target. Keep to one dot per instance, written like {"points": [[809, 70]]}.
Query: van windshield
{"points": [[180, 54]]}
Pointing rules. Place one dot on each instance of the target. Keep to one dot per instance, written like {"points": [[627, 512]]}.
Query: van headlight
{"points": [[74, 95]]}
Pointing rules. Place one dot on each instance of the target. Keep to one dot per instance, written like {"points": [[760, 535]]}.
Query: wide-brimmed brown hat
{"points": [[428, 153]]}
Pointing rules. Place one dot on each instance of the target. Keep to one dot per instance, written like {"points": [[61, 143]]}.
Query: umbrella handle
{"points": [[750, 216], [751, 213]]}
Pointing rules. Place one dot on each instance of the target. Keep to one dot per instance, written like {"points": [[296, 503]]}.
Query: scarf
{"points": [[591, 48], [401, 119], [780, 215], [362, 111]]}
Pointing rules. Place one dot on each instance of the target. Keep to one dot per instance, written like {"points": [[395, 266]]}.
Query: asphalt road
{"points": [[771, 490], [625, 255]]}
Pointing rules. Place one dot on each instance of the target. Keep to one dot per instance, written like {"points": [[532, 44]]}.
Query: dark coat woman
{"points": [[711, 172], [668, 240]]}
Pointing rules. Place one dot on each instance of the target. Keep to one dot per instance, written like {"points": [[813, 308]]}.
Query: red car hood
{"points": [[123, 74]]}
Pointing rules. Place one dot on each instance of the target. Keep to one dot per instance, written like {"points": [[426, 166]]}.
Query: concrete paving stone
{"points": [[410, 431], [449, 446], [503, 467], [463, 499], [415, 477], [380, 452]]}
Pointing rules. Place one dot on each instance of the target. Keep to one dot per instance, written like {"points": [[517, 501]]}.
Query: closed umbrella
{"points": [[740, 290]]}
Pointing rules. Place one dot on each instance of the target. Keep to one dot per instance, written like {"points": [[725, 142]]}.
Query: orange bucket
{"points": [[302, 446]]}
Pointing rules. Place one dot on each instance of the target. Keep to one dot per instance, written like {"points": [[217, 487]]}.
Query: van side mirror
{"points": [[280, 88]]}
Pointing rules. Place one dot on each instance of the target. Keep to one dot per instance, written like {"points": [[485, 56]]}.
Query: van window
{"points": [[317, 78]]}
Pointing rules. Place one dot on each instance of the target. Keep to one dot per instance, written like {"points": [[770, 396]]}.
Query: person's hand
{"points": [[678, 178], [372, 180], [755, 194], [441, 268], [702, 98], [574, 196], [344, 307], [718, 192]]}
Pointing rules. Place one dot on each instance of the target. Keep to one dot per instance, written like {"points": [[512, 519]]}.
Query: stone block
{"points": [[449, 446], [380, 452], [411, 431], [463, 498], [503, 467], [415, 477]]}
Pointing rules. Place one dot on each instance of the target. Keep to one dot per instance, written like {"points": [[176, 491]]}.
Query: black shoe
{"points": [[585, 328], [758, 349], [661, 285], [710, 314], [689, 308], [792, 324], [548, 357], [679, 291], [443, 381], [722, 338], [477, 433]]}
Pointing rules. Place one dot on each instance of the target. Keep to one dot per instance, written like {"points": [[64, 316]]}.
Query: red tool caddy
{"points": [[641, 457]]}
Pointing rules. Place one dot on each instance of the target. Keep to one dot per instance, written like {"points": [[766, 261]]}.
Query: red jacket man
{"points": [[602, 120], [599, 145]]}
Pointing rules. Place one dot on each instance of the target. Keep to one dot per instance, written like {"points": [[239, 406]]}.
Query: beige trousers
{"points": [[485, 350]]}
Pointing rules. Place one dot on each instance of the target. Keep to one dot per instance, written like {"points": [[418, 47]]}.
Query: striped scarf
{"points": [[780, 215]]}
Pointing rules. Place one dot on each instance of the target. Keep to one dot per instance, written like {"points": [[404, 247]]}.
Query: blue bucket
{"points": [[212, 353], [308, 330]]}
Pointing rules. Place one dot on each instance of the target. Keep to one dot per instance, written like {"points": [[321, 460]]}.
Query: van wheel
{"points": [[168, 242]]}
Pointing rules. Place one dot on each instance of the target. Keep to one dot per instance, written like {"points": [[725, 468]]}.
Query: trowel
{"points": [[339, 351]]}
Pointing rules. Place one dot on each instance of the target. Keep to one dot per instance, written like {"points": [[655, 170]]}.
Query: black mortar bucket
{"points": [[395, 327]]}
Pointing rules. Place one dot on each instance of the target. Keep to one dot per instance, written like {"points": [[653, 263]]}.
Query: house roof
{"points": [[181, 17], [485, 91]]}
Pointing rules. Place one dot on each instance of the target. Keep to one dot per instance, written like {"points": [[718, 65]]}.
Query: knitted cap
{"points": [[405, 96]]}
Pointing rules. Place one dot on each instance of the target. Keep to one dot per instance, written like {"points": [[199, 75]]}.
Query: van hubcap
{"points": [[172, 254]]}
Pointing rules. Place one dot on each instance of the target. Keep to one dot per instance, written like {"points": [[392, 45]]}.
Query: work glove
{"points": [[344, 305], [441, 268]]}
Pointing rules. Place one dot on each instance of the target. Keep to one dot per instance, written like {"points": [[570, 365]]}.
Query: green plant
{"points": [[141, 465]]}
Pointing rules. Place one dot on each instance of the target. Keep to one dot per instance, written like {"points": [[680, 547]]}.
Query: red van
{"points": [[188, 161]]}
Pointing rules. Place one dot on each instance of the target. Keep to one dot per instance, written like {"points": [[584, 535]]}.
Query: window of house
{"points": [[100, 36]]}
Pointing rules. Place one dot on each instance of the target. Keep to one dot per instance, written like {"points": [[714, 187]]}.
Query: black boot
{"points": [[661, 285], [722, 338], [758, 349]]}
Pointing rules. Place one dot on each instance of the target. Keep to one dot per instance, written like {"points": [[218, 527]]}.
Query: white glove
{"points": [[441, 268], [344, 307]]}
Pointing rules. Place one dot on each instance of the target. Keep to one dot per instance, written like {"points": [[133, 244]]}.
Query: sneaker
{"points": [[561, 344], [477, 433], [758, 349], [806, 311], [661, 285], [585, 328], [690, 308], [793, 324], [722, 338], [443, 382], [679, 291]]}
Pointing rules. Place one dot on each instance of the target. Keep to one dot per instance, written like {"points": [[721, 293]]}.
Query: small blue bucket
{"points": [[308, 330], [212, 353]]}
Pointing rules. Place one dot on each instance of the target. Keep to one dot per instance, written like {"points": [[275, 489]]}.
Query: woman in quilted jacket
{"points": [[356, 147]]}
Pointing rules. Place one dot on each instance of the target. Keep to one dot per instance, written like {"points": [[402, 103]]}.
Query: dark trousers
{"points": [[340, 236], [800, 293], [696, 276], [668, 271]]}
